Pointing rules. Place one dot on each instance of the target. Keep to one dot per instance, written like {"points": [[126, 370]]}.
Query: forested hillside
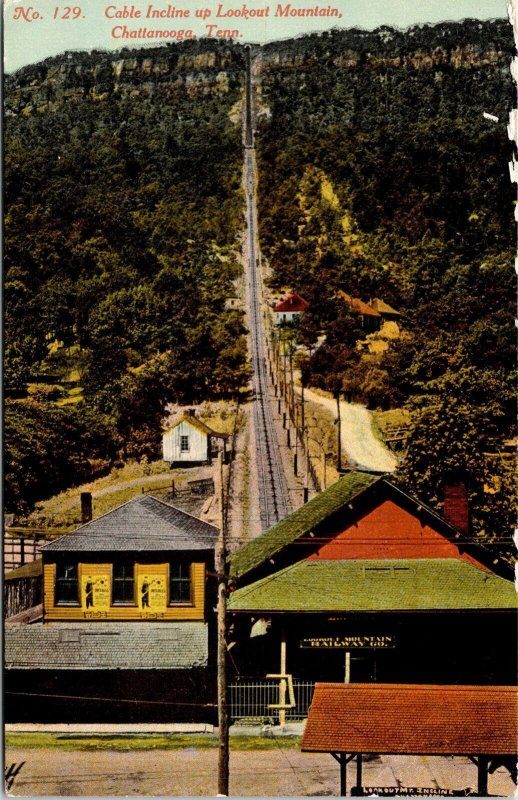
{"points": [[378, 176], [123, 207], [388, 182]]}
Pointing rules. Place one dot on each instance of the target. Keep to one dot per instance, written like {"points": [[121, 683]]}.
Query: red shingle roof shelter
{"points": [[480, 722]]}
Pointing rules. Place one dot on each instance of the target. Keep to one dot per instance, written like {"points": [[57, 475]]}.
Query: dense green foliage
{"points": [[47, 448], [388, 182], [124, 204]]}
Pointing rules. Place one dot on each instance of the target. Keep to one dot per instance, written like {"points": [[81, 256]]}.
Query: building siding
{"points": [[389, 531], [198, 444], [157, 611]]}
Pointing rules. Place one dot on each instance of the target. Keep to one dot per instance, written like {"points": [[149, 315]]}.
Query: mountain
{"points": [[388, 182]]}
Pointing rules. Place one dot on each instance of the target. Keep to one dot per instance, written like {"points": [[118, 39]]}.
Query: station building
{"points": [[366, 584]]}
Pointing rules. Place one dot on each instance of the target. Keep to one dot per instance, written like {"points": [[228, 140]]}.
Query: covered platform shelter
{"points": [[351, 720]]}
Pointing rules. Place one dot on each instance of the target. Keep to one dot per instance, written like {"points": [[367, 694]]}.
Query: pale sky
{"points": [[26, 42]]}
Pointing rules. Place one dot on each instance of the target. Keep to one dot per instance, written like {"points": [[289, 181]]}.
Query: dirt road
{"points": [[193, 772], [360, 445]]}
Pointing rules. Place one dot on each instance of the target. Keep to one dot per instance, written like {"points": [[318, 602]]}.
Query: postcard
{"points": [[259, 415]]}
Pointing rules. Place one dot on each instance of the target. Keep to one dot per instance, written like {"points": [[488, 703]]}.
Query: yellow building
{"points": [[127, 621], [145, 560]]}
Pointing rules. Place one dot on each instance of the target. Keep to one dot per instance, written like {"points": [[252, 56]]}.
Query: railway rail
{"points": [[273, 490]]}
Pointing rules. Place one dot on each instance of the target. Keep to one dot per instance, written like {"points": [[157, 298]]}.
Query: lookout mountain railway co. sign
{"points": [[368, 642]]}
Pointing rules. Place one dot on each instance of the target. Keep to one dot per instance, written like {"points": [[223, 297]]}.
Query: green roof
{"points": [[376, 585], [302, 521]]}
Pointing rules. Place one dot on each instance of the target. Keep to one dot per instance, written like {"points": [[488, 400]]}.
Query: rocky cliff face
{"points": [[468, 44], [459, 57], [211, 68], [96, 76]]}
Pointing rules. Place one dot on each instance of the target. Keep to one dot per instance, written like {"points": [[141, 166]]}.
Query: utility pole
{"points": [[302, 420], [339, 425], [221, 571]]}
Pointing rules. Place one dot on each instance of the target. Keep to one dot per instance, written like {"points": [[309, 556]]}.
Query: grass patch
{"points": [[64, 510], [74, 395], [129, 742]]}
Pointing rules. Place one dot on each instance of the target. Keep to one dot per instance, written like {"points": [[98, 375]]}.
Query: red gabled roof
{"points": [[355, 304], [412, 719], [293, 302]]}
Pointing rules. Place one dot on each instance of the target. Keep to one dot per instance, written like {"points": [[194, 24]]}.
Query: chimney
{"points": [[455, 505], [86, 507]]}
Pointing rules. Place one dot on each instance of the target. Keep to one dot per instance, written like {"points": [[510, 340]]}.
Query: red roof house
{"points": [[370, 318], [289, 307]]}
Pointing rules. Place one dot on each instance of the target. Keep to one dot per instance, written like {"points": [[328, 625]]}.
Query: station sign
{"points": [[357, 642], [410, 791]]}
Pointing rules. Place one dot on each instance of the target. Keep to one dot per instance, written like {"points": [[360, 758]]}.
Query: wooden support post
{"points": [[282, 684], [347, 676], [302, 412], [482, 765], [343, 774], [288, 437], [359, 777], [295, 465], [339, 431]]}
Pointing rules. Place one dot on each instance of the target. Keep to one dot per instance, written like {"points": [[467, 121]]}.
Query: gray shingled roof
{"points": [[101, 645], [143, 523]]}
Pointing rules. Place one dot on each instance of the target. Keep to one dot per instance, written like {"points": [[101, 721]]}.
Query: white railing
{"points": [[252, 700]]}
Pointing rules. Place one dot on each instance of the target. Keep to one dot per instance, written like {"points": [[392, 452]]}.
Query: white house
{"points": [[289, 308], [191, 441]]}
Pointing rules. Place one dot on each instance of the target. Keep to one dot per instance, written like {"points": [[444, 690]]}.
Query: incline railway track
{"points": [[273, 490]]}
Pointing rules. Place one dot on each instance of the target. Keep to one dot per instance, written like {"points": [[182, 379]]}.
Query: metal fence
{"points": [[251, 701]]}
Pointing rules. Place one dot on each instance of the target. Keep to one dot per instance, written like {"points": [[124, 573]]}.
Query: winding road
{"points": [[359, 443]]}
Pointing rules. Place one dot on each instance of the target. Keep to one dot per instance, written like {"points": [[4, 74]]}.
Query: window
{"points": [[123, 583], [184, 444], [67, 585], [179, 583]]}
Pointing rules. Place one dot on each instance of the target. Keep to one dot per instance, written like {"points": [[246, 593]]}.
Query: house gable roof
{"points": [[293, 302], [357, 305], [384, 308], [142, 524], [301, 522], [434, 584], [191, 419], [341, 498]]}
